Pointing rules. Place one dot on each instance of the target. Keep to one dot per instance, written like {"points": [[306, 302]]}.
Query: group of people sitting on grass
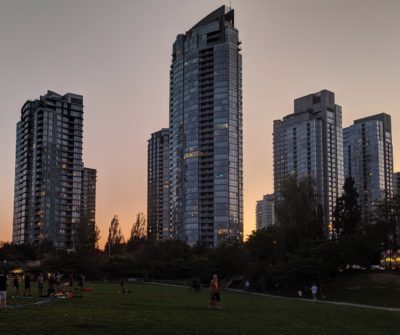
{"points": [[57, 285]]}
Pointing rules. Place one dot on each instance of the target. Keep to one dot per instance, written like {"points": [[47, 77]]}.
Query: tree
{"points": [[47, 247], [18, 252], [115, 238], [299, 213], [229, 258], [264, 244], [347, 212], [138, 230], [138, 233], [87, 236], [387, 220]]}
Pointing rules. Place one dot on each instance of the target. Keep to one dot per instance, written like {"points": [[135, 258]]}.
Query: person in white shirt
{"points": [[314, 291]]}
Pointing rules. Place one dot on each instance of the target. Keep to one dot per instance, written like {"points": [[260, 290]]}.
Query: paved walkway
{"points": [[40, 302], [339, 303]]}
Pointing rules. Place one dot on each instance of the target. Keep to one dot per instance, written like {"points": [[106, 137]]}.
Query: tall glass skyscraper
{"points": [[368, 158], [158, 223], [48, 170], [309, 143], [206, 131]]}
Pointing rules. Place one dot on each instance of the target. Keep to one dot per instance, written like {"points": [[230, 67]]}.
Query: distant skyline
{"points": [[117, 55]]}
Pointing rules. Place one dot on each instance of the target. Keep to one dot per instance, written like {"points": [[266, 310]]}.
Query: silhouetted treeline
{"points": [[295, 251]]}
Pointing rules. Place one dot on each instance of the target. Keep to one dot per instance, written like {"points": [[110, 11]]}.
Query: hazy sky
{"points": [[117, 54]]}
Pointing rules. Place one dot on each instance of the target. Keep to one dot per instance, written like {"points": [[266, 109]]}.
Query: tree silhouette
{"points": [[87, 236], [138, 230], [115, 238], [299, 213], [347, 212]]}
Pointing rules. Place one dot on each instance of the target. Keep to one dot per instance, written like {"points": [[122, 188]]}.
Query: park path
{"points": [[339, 303], [40, 302]]}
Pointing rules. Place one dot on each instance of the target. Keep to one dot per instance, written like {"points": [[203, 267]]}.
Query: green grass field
{"points": [[379, 289], [154, 309]]}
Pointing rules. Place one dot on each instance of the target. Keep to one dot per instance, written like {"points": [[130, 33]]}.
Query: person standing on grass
{"points": [[247, 286], [322, 291], [214, 291], [58, 281], [16, 285], [81, 281], [27, 285], [3, 290], [51, 283], [40, 282], [314, 291], [71, 280]]}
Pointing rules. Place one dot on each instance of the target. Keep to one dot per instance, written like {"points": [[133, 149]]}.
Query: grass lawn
{"points": [[154, 309], [379, 289]]}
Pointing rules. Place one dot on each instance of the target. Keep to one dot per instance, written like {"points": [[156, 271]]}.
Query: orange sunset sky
{"points": [[117, 55]]}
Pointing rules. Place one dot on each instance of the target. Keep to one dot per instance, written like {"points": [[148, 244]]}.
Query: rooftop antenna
{"points": [[230, 4]]}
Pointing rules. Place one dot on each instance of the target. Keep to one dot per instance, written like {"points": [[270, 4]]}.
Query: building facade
{"points": [[206, 160], [48, 171], [396, 182], [368, 159], [158, 223], [309, 143], [88, 206], [265, 212]]}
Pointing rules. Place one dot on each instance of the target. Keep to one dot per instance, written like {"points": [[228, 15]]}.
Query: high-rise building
{"points": [[158, 223], [206, 131], [48, 170], [368, 159], [396, 182], [309, 143], [88, 206], [265, 212]]}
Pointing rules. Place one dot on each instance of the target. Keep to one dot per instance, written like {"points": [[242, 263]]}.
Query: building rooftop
{"points": [[385, 118], [222, 13]]}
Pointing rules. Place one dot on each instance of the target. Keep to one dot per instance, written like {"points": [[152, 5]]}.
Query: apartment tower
{"points": [[205, 121], [265, 212], [158, 223], [309, 143], [368, 159], [48, 170]]}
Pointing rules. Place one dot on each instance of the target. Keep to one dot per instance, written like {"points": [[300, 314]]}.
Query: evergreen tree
{"points": [[347, 212], [387, 221]]}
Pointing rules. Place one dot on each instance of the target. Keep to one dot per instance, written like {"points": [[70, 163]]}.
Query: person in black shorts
{"points": [[40, 282], [3, 290], [214, 292], [16, 285], [71, 281], [81, 282], [27, 289]]}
